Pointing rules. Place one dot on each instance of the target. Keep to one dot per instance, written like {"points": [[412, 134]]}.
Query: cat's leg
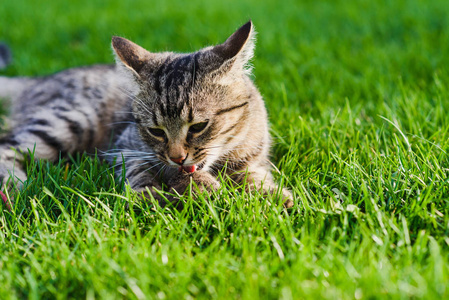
{"points": [[142, 180], [181, 181], [145, 178], [260, 178], [257, 178]]}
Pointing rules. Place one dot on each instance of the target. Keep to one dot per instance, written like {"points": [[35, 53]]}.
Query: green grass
{"points": [[358, 96]]}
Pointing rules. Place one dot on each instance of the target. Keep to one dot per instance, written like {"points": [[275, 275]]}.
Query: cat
{"points": [[172, 118]]}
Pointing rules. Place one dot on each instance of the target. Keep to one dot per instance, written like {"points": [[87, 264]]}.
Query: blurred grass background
{"points": [[358, 100]]}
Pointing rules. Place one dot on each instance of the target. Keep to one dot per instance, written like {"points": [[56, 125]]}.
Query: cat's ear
{"points": [[130, 54], [240, 45]]}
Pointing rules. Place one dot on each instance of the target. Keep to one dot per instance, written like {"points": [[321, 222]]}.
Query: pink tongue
{"points": [[189, 169]]}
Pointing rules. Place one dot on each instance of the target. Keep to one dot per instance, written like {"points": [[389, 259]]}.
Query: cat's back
{"points": [[76, 86], [88, 101]]}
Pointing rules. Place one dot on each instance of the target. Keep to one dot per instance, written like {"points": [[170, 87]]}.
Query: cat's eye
{"points": [[198, 127], [157, 132]]}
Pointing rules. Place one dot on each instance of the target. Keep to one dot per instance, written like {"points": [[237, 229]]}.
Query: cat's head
{"points": [[191, 108]]}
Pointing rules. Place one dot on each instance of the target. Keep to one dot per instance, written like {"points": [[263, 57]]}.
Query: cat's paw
{"points": [[201, 179], [149, 192]]}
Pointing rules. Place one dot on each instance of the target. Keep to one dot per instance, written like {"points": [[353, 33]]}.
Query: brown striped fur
{"points": [[168, 114]]}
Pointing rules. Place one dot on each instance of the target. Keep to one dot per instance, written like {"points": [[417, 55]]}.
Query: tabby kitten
{"points": [[173, 118]]}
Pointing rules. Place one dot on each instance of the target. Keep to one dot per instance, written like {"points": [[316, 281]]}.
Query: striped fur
{"points": [[173, 118]]}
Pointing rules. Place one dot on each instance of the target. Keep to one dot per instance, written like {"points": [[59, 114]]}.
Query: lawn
{"points": [[358, 97]]}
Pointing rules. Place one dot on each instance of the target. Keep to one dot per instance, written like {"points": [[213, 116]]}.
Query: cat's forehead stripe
{"points": [[174, 80], [179, 71]]}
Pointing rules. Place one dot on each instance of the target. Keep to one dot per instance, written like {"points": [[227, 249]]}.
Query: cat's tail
{"points": [[11, 87]]}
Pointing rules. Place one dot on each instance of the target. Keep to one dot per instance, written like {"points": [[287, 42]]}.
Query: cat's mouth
{"points": [[191, 168], [188, 169]]}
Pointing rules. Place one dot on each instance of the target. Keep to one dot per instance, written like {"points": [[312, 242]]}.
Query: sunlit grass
{"points": [[358, 100]]}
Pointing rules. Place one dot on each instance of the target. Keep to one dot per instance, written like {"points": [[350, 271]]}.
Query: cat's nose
{"points": [[178, 160]]}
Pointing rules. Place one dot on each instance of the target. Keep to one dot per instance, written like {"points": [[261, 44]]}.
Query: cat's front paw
{"points": [[202, 179]]}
